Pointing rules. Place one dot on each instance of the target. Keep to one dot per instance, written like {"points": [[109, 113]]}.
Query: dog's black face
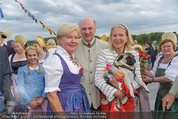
{"points": [[128, 59]]}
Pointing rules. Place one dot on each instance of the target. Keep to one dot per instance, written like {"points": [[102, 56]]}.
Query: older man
{"points": [[86, 54], [169, 99]]}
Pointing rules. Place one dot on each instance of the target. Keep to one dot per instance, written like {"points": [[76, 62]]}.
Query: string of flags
{"points": [[34, 18], [1, 13]]}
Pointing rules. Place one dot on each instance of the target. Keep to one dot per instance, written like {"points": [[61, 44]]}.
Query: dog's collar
{"points": [[127, 67]]}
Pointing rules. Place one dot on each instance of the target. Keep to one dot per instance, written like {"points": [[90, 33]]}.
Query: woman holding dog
{"points": [[119, 42], [165, 72]]}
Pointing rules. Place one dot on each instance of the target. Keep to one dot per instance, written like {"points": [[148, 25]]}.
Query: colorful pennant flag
{"points": [[50, 31], [42, 24], [2, 15], [33, 17]]}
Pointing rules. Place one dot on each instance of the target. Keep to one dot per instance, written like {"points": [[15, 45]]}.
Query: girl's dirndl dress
{"points": [[72, 95]]}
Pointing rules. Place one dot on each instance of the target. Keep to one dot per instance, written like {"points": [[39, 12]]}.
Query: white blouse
{"points": [[171, 70], [54, 70], [107, 57]]}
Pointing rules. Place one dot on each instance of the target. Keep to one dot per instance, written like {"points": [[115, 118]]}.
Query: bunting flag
{"points": [[42, 24], [33, 17], [49, 30], [2, 15]]}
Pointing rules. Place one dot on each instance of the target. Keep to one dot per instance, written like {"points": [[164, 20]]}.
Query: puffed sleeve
{"points": [[100, 82], [21, 86], [53, 72], [44, 94], [172, 70], [174, 88]]}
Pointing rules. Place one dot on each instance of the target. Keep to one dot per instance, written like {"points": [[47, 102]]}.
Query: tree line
{"points": [[141, 38]]}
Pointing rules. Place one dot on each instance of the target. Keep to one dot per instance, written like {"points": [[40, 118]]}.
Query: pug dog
{"points": [[125, 64]]}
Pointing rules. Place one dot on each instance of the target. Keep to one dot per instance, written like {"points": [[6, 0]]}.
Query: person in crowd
{"points": [[168, 99], [63, 73], [86, 54], [17, 60], [9, 42], [5, 80], [31, 83], [3, 35], [164, 70], [40, 44], [149, 50], [120, 42], [51, 46], [154, 52], [138, 48], [135, 42]]}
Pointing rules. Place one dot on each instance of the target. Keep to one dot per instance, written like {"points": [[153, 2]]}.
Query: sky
{"points": [[141, 16]]}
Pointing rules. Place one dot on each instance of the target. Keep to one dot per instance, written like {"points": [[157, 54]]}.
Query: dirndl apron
{"points": [[163, 90]]}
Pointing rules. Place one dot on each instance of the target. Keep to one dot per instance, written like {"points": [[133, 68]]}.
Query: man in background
{"points": [[5, 79], [3, 35], [154, 53]]}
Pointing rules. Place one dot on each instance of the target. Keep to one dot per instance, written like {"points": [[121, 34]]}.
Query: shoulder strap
{"points": [[12, 57], [160, 60]]}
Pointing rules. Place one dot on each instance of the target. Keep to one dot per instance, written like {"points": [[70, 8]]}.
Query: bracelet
{"points": [[153, 79]]}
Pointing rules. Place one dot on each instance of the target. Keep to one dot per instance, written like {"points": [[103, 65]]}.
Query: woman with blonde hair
{"points": [[120, 42], [51, 46], [40, 44], [31, 82], [17, 60], [63, 73]]}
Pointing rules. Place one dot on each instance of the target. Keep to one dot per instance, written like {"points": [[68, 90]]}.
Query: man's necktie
{"points": [[89, 45]]}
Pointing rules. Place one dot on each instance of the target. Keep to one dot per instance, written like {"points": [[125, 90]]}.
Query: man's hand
{"points": [[167, 101]]}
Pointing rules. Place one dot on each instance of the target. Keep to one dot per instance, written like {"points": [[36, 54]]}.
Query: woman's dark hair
{"points": [[148, 44]]}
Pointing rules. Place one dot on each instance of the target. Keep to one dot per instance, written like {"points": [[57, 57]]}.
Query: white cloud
{"points": [[141, 16]]}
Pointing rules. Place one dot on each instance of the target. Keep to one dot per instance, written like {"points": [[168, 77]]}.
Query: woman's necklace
{"points": [[73, 61], [168, 60]]}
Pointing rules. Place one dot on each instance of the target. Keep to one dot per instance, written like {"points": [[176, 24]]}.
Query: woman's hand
{"points": [[39, 101], [147, 73], [113, 81], [33, 105], [119, 94], [146, 79]]}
